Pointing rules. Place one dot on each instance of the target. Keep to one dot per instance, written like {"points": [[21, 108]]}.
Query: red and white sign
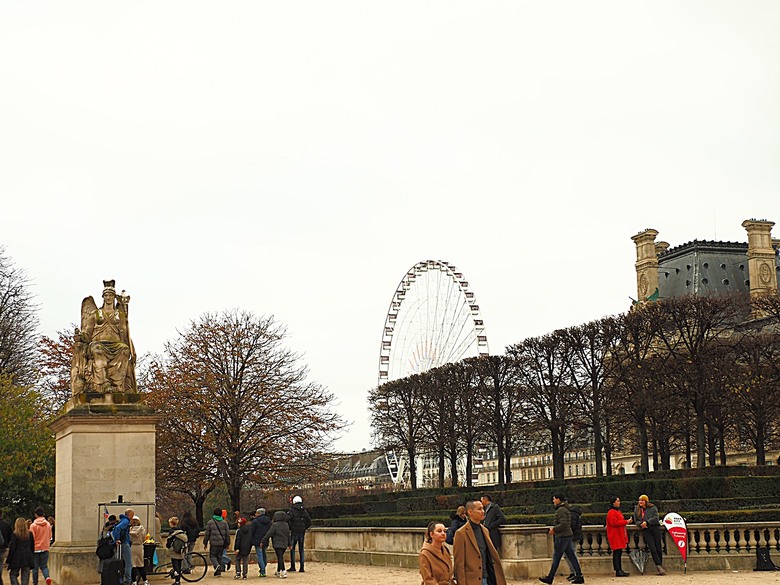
{"points": [[675, 526]]}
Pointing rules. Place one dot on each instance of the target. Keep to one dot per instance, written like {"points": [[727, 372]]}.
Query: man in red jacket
{"points": [[41, 530]]}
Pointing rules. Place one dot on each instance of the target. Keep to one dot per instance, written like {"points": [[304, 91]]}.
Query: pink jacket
{"points": [[41, 530]]}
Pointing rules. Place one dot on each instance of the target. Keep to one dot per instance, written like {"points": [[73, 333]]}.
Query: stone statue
{"points": [[103, 353]]}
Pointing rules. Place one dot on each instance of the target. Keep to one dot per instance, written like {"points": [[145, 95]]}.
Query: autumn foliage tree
{"points": [[55, 363], [237, 404]]}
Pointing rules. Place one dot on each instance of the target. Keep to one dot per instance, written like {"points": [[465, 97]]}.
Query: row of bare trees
{"points": [[690, 374]]}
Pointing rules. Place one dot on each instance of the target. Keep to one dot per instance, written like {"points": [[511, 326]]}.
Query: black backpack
{"points": [[763, 562], [576, 523], [105, 548]]}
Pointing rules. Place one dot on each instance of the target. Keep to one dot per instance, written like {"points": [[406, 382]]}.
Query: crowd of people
{"points": [[24, 548], [284, 531], [476, 542]]}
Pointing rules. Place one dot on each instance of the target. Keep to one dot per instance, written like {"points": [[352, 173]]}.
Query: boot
{"points": [[660, 570]]}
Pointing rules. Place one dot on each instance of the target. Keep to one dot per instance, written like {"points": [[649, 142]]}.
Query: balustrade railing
{"points": [[703, 539]]}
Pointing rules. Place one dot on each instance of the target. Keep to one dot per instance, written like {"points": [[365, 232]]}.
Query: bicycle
{"points": [[195, 572]]}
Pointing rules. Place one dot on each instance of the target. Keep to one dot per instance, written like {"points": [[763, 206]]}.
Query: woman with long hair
{"points": [[434, 561], [20, 553], [617, 535], [646, 517]]}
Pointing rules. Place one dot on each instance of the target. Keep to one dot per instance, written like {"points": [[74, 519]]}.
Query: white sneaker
{"points": [[276, 574], [284, 574]]}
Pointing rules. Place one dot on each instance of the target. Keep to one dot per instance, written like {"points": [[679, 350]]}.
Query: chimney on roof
{"points": [[761, 260], [646, 264]]}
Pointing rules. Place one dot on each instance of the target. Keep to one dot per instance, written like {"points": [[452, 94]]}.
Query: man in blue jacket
{"points": [[121, 534], [260, 525]]}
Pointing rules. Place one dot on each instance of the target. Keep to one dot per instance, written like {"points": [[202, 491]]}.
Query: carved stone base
{"points": [[104, 449]]}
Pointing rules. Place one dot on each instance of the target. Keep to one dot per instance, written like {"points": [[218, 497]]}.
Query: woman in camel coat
{"points": [[434, 560]]}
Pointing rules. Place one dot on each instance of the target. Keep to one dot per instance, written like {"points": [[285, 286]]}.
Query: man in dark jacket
{"points": [[299, 520], [260, 525], [562, 541], [494, 518]]}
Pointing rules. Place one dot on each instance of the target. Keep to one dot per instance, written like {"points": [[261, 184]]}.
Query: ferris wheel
{"points": [[433, 320]]}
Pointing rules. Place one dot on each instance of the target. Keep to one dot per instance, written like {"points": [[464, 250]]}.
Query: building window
{"points": [[576, 470], [569, 470]]}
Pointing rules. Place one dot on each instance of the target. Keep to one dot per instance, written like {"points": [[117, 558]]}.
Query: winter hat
{"points": [[241, 521], [297, 500]]}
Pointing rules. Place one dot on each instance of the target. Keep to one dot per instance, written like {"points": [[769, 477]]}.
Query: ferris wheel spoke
{"points": [[432, 320]]}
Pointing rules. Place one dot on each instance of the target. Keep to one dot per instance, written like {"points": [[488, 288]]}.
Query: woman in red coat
{"points": [[617, 535]]}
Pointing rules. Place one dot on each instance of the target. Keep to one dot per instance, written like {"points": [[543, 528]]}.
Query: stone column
{"points": [[646, 264], [761, 261], [102, 451]]}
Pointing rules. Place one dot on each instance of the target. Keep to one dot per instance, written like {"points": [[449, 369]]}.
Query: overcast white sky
{"points": [[296, 158]]}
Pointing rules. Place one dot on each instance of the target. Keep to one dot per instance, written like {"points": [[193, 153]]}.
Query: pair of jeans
{"points": [[187, 564], [562, 545], [127, 558], [176, 565], [262, 561], [215, 556], [40, 562], [296, 539], [14, 574]]}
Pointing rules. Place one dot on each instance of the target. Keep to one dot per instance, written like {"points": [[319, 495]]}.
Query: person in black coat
{"points": [[458, 520], [260, 525], [20, 552], [243, 546], [5, 533], [299, 520], [494, 518], [190, 527]]}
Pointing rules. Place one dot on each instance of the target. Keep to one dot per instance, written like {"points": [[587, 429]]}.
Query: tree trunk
{"points": [[508, 459], [760, 447], [656, 456], [411, 453], [234, 492], [722, 445], [454, 464], [644, 455], [608, 447], [597, 448], [469, 461], [711, 445], [441, 466], [701, 442]]}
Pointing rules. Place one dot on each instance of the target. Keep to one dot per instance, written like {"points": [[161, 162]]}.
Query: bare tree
{"points": [[247, 399], [18, 324], [397, 409]]}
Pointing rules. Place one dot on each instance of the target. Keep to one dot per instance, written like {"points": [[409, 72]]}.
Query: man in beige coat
{"points": [[476, 559]]}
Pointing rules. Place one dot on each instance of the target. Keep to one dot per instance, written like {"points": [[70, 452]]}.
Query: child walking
{"points": [[243, 547], [279, 536], [177, 546]]}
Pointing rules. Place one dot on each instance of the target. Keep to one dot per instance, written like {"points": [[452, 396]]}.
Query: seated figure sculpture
{"points": [[103, 354]]}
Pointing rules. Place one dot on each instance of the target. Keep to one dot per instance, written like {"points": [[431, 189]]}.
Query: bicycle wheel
{"points": [[197, 570], [162, 569]]}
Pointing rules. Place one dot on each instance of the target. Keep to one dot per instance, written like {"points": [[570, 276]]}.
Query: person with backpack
{"points": [[279, 537], [177, 547], [243, 547], [576, 536], [121, 534], [299, 519], [41, 531], [216, 537], [562, 541]]}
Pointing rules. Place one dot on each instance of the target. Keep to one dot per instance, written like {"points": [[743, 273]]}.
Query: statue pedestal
{"points": [[104, 449]]}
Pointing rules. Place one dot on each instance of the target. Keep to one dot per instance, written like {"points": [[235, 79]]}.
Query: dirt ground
{"points": [[338, 574]]}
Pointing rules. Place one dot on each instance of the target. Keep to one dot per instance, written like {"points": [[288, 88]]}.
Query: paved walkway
{"points": [[338, 574]]}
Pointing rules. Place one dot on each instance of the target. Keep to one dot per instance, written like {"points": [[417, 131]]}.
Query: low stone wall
{"points": [[527, 550]]}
